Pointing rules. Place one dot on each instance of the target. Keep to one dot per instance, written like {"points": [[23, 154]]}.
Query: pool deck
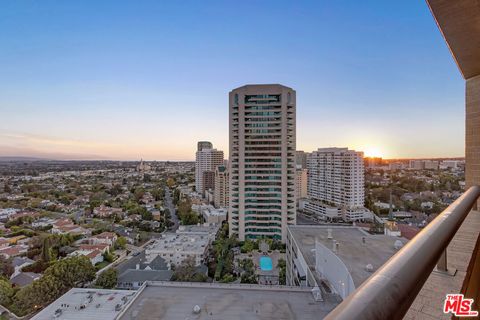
{"points": [[264, 276]]}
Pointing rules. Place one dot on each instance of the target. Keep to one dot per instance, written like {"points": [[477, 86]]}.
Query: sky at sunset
{"points": [[148, 79]]}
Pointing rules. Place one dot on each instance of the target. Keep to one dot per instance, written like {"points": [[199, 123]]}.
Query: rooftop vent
{"points": [[369, 267], [317, 294], [329, 233], [336, 245], [398, 244], [196, 309]]}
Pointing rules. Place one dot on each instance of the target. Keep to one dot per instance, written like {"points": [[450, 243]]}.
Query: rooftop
{"points": [[87, 304], [179, 243], [176, 300], [353, 253]]}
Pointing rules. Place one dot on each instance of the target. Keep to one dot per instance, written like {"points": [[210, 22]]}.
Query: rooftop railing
{"points": [[389, 292]]}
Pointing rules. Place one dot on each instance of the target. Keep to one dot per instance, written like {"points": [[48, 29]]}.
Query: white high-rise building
{"points": [[336, 184], [206, 161], [262, 161]]}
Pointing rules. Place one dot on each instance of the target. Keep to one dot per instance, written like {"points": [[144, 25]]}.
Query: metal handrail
{"points": [[390, 291]]}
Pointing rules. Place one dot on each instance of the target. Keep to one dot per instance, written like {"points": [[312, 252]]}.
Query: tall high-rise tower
{"points": [[221, 187], [262, 160], [206, 161]]}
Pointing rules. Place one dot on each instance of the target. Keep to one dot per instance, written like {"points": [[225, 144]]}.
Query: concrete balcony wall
{"points": [[472, 131]]}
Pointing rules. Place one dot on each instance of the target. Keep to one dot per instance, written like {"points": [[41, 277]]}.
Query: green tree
{"points": [[186, 271], [72, 272], [138, 194], [115, 190], [158, 194], [282, 265], [108, 257], [46, 253], [57, 279], [6, 292], [248, 246], [185, 213], [6, 268], [147, 215], [121, 243], [107, 279]]}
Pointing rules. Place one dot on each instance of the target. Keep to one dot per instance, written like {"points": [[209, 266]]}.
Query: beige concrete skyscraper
{"points": [[221, 187], [262, 160]]}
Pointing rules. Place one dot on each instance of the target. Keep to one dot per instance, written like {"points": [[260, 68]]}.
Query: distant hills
{"points": [[13, 158]]}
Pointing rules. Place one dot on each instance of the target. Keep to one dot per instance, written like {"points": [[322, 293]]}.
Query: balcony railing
{"points": [[389, 292]]}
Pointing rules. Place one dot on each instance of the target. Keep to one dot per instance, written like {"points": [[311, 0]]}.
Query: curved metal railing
{"points": [[390, 291]]}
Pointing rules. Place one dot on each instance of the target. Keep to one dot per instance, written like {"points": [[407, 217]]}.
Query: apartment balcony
{"points": [[444, 258]]}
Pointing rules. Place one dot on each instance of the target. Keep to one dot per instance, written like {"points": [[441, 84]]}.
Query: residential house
{"points": [[13, 251], [23, 279], [108, 238], [134, 272], [105, 212]]}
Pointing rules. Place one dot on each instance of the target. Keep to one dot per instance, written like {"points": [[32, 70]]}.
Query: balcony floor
{"points": [[429, 302]]}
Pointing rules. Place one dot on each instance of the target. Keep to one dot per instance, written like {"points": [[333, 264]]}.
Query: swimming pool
{"points": [[265, 263]]}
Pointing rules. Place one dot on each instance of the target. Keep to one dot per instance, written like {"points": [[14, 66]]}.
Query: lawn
{"points": [[101, 265]]}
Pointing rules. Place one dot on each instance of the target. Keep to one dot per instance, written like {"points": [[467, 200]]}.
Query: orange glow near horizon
{"points": [[373, 152]]}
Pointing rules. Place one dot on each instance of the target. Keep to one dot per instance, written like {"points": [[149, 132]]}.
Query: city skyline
{"points": [[124, 88]]}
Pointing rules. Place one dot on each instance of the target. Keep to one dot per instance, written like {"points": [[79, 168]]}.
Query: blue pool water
{"points": [[265, 263]]}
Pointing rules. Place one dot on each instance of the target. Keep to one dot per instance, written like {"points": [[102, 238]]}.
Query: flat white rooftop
{"points": [[176, 301], [88, 304], [353, 252]]}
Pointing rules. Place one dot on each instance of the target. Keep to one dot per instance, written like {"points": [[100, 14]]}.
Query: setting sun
{"points": [[373, 152]]}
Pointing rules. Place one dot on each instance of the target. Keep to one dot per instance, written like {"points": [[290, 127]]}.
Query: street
{"points": [[173, 213]]}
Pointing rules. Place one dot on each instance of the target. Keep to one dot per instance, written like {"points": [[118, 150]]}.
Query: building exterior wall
{"points": [[221, 187], [262, 160], [472, 132], [206, 160], [301, 159], [336, 184], [301, 183], [297, 273], [208, 178]]}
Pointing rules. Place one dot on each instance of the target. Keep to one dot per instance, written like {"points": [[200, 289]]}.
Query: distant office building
{"points": [[417, 164], [221, 187], [447, 164], [336, 184], [396, 166], [301, 180], [431, 164], [210, 214], [208, 180], [301, 159], [262, 161], [206, 160], [424, 164]]}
